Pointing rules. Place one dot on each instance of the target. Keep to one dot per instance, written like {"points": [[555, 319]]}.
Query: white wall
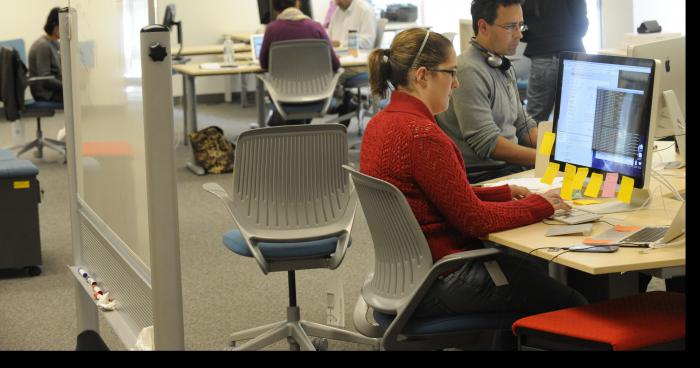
{"points": [[669, 13], [25, 19]]}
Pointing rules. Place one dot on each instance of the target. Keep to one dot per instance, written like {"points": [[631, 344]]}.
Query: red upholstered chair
{"points": [[649, 321]]}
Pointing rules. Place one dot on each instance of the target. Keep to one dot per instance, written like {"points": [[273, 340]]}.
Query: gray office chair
{"points": [[370, 106], [403, 273], [294, 207], [13, 73], [301, 80]]}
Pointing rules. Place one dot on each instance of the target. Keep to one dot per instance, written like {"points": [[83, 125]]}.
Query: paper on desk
{"points": [[533, 184], [210, 66]]}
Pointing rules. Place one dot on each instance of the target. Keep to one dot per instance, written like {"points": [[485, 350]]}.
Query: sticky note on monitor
{"points": [[594, 185], [626, 188], [567, 188], [547, 144], [580, 178], [610, 185], [570, 172], [551, 173]]}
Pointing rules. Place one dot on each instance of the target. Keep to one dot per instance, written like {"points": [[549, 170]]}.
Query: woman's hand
{"points": [[555, 200], [518, 192]]}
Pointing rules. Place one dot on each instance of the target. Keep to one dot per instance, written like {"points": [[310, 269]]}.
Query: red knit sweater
{"points": [[404, 146]]}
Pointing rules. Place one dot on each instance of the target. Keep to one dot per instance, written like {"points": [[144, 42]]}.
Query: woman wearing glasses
{"points": [[487, 121], [404, 146]]}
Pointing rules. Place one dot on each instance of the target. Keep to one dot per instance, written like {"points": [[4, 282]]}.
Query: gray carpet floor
{"points": [[222, 292]]}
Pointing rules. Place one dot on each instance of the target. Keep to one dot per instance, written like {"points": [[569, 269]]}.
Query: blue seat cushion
{"points": [[359, 80], [43, 105], [7, 155], [313, 249], [461, 323], [303, 108], [17, 169]]}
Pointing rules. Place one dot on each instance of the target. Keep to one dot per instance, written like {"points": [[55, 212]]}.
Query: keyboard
{"points": [[575, 216], [646, 235]]}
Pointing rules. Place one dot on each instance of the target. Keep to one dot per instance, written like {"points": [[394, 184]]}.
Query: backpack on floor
{"points": [[212, 151]]}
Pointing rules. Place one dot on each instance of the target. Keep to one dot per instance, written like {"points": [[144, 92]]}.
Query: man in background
{"points": [[44, 60]]}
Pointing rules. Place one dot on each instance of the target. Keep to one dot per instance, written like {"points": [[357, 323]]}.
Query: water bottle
{"points": [[353, 43], [229, 52]]}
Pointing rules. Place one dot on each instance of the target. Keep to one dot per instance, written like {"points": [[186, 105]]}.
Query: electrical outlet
{"points": [[335, 304]]}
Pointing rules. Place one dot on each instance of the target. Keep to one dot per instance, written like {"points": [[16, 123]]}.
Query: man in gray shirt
{"points": [[44, 60], [486, 119]]}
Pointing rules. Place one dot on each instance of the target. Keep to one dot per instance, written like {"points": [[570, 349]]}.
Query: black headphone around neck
{"points": [[493, 60]]}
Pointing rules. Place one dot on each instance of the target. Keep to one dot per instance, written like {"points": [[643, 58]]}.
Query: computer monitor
{"points": [[256, 42], [169, 21], [671, 53], [267, 13], [603, 116]]}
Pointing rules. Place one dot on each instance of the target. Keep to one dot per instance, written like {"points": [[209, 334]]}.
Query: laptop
{"points": [[256, 42], [650, 236]]}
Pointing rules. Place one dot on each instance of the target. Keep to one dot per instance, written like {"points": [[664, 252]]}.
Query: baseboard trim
{"points": [[215, 98]]}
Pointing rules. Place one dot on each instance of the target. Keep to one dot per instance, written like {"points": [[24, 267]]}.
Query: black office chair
{"points": [[13, 84]]}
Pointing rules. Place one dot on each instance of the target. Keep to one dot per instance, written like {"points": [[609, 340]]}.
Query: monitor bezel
{"points": [[648, 115]]}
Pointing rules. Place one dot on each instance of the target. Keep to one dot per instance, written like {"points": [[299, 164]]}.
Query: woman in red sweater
{"points": [[404, 146]]}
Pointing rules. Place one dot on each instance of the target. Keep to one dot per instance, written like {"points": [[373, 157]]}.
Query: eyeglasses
{"points": [[451, 72], [510, 27]]}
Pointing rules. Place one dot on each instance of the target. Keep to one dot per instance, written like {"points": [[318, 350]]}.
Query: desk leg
{"points": [[185, 111], [603, 287], [191, 106], [260, 101], [244, 90], [558, 272]]}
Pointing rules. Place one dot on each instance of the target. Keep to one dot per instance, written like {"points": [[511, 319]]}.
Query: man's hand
{"points": [[335, 44]]}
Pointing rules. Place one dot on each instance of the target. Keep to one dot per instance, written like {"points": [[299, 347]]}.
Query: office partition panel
{"points": [[119, 122]]}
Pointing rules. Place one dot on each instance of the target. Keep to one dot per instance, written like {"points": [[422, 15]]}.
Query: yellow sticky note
{"points": [[21, 185], [580, 178], [567, 189], [570, 172], [585, 202], [626, 187], [547, 144], [551, 173], [594, 185]]}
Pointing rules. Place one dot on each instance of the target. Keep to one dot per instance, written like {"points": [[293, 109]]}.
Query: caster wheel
{"points": [[33, 270], [320, 344]]}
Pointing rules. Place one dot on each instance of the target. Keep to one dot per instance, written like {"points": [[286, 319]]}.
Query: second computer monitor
{"points": [[602, 118], [671, 53]]}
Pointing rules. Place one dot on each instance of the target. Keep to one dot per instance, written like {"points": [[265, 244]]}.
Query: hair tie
{"points": [[387, 54]]}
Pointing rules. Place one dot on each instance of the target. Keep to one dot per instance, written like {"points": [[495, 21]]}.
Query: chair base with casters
{"points": [[40, 110], [298, 333], [649, 321]]}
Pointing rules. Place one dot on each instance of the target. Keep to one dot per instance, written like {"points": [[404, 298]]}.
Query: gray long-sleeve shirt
{"points": [[44, 60], [485, 106]]}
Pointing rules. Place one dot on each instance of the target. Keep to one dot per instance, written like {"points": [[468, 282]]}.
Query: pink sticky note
{"points": [[610, 185]]}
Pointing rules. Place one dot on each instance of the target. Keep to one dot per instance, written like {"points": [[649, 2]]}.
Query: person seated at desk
{"points": [[359, 16], [404, 146], [486, 119], [44, 60], [291, 24]]}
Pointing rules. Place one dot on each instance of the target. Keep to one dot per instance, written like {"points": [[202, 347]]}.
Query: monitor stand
{"points": [[678, 122], [641, 198]]}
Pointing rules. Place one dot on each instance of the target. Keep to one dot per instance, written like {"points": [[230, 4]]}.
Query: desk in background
{"points": [[606, 275], [212, 49]]}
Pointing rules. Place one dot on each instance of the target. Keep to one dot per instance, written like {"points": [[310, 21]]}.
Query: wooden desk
{"points": [[400, 26], [212, 49], [661, 262], [192, 71]]}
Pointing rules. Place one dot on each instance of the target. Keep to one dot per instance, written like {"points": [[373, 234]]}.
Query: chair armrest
{"points": [[443, 265], [220, 192]]}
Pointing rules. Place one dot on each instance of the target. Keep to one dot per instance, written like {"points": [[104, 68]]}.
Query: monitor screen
{"points": [[602, 116], [267, 13], [169, 18], [256, 42], [671, 54]]}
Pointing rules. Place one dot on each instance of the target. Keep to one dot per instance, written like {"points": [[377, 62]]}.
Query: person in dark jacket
{"points": [[44, 60], [552, 26]]}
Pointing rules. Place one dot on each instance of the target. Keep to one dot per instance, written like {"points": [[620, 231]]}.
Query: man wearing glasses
{"points": [[486, 119], [553, 26]]}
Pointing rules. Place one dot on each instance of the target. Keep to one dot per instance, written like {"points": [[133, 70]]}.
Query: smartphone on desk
{"points": [[594, 248]]}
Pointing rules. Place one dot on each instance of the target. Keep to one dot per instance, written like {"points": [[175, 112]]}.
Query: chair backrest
{"points": [[289, 184], [17, 44], [301, 60], [402, 257], [381, 26]]}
